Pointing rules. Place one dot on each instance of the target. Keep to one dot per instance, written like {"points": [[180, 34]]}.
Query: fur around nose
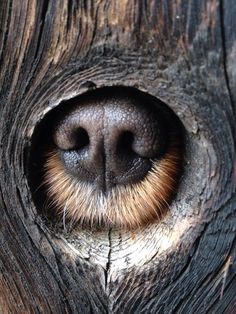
{"points": [[110, 140]]}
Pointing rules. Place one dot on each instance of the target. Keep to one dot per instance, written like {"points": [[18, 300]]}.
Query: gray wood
{"points": [[182, 52]]}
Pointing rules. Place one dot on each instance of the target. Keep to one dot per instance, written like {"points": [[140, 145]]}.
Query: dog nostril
{"points": [[71, 137], [80, 139], [125, 143]]}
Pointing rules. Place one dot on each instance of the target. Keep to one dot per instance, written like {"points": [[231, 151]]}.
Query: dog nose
{"points": [[110, 141]]}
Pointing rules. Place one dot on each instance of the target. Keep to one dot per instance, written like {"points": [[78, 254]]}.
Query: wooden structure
{"points": [[182, 52]]}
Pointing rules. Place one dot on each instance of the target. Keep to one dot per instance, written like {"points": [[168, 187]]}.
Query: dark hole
{"points": [[81, 138], [42, 142], [125, 142]]}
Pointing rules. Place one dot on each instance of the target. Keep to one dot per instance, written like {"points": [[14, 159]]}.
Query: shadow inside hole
{"points": [[81, 138]]}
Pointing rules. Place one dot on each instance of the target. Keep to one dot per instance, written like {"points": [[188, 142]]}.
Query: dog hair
{"points": [[124, 206]]}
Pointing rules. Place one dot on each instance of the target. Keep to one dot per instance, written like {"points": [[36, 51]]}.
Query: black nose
{"points": [[111, 140]]}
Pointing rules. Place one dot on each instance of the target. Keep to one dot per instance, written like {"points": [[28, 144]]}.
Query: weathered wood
{"points": [[182, 52]]}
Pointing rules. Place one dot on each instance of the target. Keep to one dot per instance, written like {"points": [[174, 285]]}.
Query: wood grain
{"points": [[182, 52]]}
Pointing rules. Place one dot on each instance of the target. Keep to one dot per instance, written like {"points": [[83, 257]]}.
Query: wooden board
{"points": [[182, 52]]}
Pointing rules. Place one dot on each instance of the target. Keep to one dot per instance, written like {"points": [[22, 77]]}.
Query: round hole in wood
{"points": [[111, 157]]}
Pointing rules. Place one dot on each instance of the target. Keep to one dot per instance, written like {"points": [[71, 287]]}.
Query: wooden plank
{"points": [[183, 53]]}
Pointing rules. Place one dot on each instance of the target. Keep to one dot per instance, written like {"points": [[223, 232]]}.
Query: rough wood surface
{"points": [[182, 52]]}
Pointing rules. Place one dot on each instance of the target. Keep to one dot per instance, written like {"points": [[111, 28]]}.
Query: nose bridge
{"points": [[91, 117]]}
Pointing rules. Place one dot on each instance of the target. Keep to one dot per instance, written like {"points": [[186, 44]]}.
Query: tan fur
{"points": [[127, 206]]}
